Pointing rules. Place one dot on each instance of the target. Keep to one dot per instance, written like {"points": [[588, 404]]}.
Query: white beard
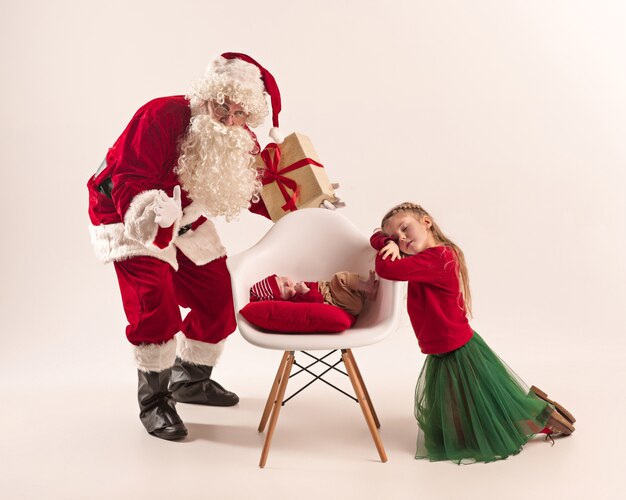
{"points": [[215, 167]]}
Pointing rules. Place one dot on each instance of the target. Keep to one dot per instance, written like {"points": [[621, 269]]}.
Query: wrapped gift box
{"points": [[297, 180]]}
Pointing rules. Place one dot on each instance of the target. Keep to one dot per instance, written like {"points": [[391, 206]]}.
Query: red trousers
{"points": [[152, 292]]}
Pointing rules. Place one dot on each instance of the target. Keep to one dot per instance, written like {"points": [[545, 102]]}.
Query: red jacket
{"points": [[140, 164], [435, 304], [144, 158]]}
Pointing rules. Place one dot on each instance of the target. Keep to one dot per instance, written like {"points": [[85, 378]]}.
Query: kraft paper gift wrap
{"points": [[296, 180]]}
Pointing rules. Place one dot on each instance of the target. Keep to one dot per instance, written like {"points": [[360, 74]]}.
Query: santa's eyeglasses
{"points": [[223, 110]]}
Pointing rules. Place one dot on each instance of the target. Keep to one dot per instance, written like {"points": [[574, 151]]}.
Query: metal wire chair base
{"points": [[319, 377]]}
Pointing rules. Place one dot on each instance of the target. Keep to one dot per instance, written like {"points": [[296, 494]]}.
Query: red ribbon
{"points": [[274, 175]]}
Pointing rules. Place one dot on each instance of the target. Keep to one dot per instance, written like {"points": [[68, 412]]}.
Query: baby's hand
{"points": [[390, 249], [300, 287]]}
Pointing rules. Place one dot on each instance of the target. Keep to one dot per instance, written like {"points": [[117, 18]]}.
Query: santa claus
{"points": [[181, 161]]}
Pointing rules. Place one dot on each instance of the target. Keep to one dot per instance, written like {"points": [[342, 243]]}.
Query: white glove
{"points": [[167, 209], [332, 205]]}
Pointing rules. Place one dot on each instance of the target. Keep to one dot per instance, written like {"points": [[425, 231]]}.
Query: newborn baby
{"points": [[345, 290]]}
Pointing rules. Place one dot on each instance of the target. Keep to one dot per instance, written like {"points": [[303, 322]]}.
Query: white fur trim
{"points": [[199, 353], [192, 213], [201, 245], [276, 135], [155, 357], [111, 243], [139, 222]]}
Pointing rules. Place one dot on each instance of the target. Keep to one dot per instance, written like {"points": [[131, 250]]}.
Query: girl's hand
{"points": [[390, 249]]}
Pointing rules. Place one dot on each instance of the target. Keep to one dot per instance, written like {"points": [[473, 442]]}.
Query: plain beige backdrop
{"points": [[505, 119]]}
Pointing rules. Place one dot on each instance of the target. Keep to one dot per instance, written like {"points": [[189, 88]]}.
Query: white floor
{"points": [[70, 431]]}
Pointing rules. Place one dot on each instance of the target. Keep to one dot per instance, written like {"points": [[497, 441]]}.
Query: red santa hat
{"points": [[244, 81], [266, 289]]}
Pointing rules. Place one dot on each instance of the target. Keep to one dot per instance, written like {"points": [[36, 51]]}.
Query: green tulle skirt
{"points": [[471, 407]]}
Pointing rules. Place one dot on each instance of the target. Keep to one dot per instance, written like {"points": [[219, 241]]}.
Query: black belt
{"points": [[106, 186]]}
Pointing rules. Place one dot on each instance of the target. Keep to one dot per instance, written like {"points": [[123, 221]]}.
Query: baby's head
{"points": [[286, 287], [273, 288]]}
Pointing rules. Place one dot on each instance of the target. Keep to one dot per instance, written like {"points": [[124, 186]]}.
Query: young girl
{"points": [[469, 405]]}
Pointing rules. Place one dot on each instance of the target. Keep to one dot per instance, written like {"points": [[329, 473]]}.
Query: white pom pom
{"points": [[276, 135]]}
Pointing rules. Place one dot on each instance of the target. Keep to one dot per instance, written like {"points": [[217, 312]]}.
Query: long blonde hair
{"points": [[419, 213]]}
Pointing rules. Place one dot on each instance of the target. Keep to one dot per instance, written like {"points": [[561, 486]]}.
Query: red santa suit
{"points": [[205, 148], [160, 269]]}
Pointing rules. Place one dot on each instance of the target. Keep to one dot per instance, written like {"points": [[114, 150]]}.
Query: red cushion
{"points": [[297, 317]]}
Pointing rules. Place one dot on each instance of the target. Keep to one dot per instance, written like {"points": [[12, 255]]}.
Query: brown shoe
{"points": [[559, 424], [542, 395]]}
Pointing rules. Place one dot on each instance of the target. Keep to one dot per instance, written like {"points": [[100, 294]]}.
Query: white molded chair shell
{"points": [[313, 244]]}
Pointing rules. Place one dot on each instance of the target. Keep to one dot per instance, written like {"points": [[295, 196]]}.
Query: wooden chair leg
{"points": [[273, 391], [367, 395], [282, 386], [358, 389]]}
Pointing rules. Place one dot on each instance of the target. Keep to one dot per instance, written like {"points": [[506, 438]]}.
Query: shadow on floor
{"points": [[234, 435]]}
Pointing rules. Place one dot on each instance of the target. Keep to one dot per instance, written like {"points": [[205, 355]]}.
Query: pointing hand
{"points": [[167, 209]]}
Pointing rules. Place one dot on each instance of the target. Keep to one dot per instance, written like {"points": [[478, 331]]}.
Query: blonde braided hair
{"points": [[419, 213]]}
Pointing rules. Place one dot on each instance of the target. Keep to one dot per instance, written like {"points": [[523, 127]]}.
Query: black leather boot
{"points": [[158, 407], [192, 383]]}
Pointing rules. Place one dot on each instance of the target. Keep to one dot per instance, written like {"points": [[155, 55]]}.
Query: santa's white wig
{"points": [[236, 79]]}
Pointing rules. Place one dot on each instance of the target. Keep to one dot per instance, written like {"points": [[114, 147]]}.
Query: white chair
{"points": [[313, 244]]}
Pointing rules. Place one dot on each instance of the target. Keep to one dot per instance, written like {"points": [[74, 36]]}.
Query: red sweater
{"points": [[435, 305]]}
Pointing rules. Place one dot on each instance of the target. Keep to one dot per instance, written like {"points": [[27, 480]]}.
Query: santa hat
{"points": [[266, 289], [244, 81]]}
